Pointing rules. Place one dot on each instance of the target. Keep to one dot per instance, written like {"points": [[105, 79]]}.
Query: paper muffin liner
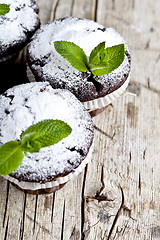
{"points": [[61, 180], [96, 103], [104, 101]]}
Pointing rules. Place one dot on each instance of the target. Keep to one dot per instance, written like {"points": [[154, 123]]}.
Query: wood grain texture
{"points": [[116, 197]]}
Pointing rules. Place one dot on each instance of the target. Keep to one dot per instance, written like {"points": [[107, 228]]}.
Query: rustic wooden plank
{"points": [[68, 211], [69, 198], [130, 164], [129, 137], [45, 9], [14, 213], [30, 216], [63, 8], [117, 195], [84, 9], [129, 18], [4, 186]]}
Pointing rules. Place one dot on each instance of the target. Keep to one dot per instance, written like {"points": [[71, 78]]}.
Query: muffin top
{"points": [[48, 65], [18, 25], [27, 104]]}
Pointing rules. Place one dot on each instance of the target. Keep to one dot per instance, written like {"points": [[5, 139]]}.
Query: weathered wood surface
{"points": [[117, 196]]}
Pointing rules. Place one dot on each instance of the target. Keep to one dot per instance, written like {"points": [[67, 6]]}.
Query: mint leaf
{"points": [[44, 134], [11, 157], [73, 53], [109, 59], [4, 8], [29, 143], [97, 54], [101, 61]]}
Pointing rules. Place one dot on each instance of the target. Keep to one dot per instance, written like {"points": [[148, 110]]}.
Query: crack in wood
{"points": [[94, 113], [39, 226], [35, 214], [158, 58], [146, 86], [53, 10], [72, 6], [116, 216], [113, 5], [147, 45], [151, 88], [53, 207], [23, 218], [63, 217], [125, 210], [148, 83], [104, 133], [130, 156], [83, 203], [121, 231], [6, 205], [6, 230], [99, 195], [102, 180], [73, 232], [96, 10], [139, 183], [144, 154]]}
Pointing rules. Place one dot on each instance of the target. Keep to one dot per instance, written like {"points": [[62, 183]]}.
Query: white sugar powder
{"points": [[17, 23], [86, 34], [30, 103]]}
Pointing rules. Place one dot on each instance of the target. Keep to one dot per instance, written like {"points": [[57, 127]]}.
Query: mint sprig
{"points": [[11, 157], [42, 134], [73, 53], [101, 60], [4, 8]]}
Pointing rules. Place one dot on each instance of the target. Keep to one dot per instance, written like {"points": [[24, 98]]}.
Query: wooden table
{"points": [[117, 196]]}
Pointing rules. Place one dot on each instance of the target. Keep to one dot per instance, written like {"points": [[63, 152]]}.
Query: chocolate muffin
{"points": [[17, 27], [50, 168], [47, 65]]}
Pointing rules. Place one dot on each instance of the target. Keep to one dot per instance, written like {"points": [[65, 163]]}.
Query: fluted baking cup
{"points": [[109, 98], [61, 180], [99, 102]]}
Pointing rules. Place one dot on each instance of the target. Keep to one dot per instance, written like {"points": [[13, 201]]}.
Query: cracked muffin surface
{"points": [[27, 104], [47, 65], [18, 25]]}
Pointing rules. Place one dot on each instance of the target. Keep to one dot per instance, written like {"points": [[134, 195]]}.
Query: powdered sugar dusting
{"points": [[52, 67], [17, 23], [30, 103]]}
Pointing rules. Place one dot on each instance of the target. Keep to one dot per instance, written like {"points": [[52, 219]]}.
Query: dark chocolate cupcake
{"points": [[47, 65], [17, 27], [53, 166]]}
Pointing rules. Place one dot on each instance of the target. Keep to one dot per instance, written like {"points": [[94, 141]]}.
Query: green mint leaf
{"points": [[97, 54], [29, 143], [73, 53], [44, 134], [109, 59], [11, 157], [4, 8]]}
